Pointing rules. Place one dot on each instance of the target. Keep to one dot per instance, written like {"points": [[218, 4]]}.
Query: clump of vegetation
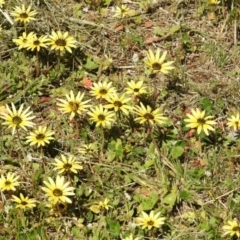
{"points": [[119, 120]]}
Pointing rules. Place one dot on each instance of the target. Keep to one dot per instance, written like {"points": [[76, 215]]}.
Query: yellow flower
{"points": [[123, 11], [67, 164], [213, 2], [23, 15], [24, 202], [233, 228], [41, 136], [130, 237], [15, 119], [150, 220], [73, 105], [9, 182], [118, 103], [198, 120], [37, 42], [96, 208], [155, 63], [61, 41], [102, 117], [88, 149], [23, 40], [2, 2], [135, 88], [147, 115], [234, 122], [102, 90], [58, 191], [104, 204]]}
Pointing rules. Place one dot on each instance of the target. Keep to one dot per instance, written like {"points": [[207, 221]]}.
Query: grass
{"points": [[192, 180]]}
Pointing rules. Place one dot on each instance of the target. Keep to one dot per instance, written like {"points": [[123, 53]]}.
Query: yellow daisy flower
{"points": [[24, 202], [17, 119], [67, 164], [88, 149], [41, 136], [102, 90], [150, 220], [147, 115], [155, 63], [61, 41], [122, 11], [135, 88], [104, 204], [9, 182], [130, 237], [59, 190], [213, 2], [96, 208], [233, 228], [198, 120], [22, 14], [234, 122], [37, 42], [102, 117], [118, 103], [2, 2], [73, 105], [23, 40]]}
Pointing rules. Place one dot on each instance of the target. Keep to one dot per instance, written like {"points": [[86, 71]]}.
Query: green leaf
{"points": [[119, 149], [206, 104], [185, 195], [170, 199], [90, 64], [149, 203], [113, 227], [176, 152]]}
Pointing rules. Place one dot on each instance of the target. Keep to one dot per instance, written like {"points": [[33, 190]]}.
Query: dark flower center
{"points": [[67, 166], [23, 15], [7, 183], [16, 120], [57, 192], [101, 117], [236, 229], [136, 89], [148, 116], [237, 123], [36, 42], [24, 203], [156, 66], [74, 106], [150, 222], [103, 91], [60, 207], [201, 121], [40, 136], [61, 42], [117, 104], [24, 40]]}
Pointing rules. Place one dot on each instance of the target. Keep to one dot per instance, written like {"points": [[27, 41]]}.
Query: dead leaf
{"points": [[87, 83], [148, 24], [119, 28], [152, 40]]}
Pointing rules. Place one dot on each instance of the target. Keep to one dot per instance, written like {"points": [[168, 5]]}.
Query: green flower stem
{"points": [[20, 144], [37, 64], [161, 157], [102, 145], [58, 60]]}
